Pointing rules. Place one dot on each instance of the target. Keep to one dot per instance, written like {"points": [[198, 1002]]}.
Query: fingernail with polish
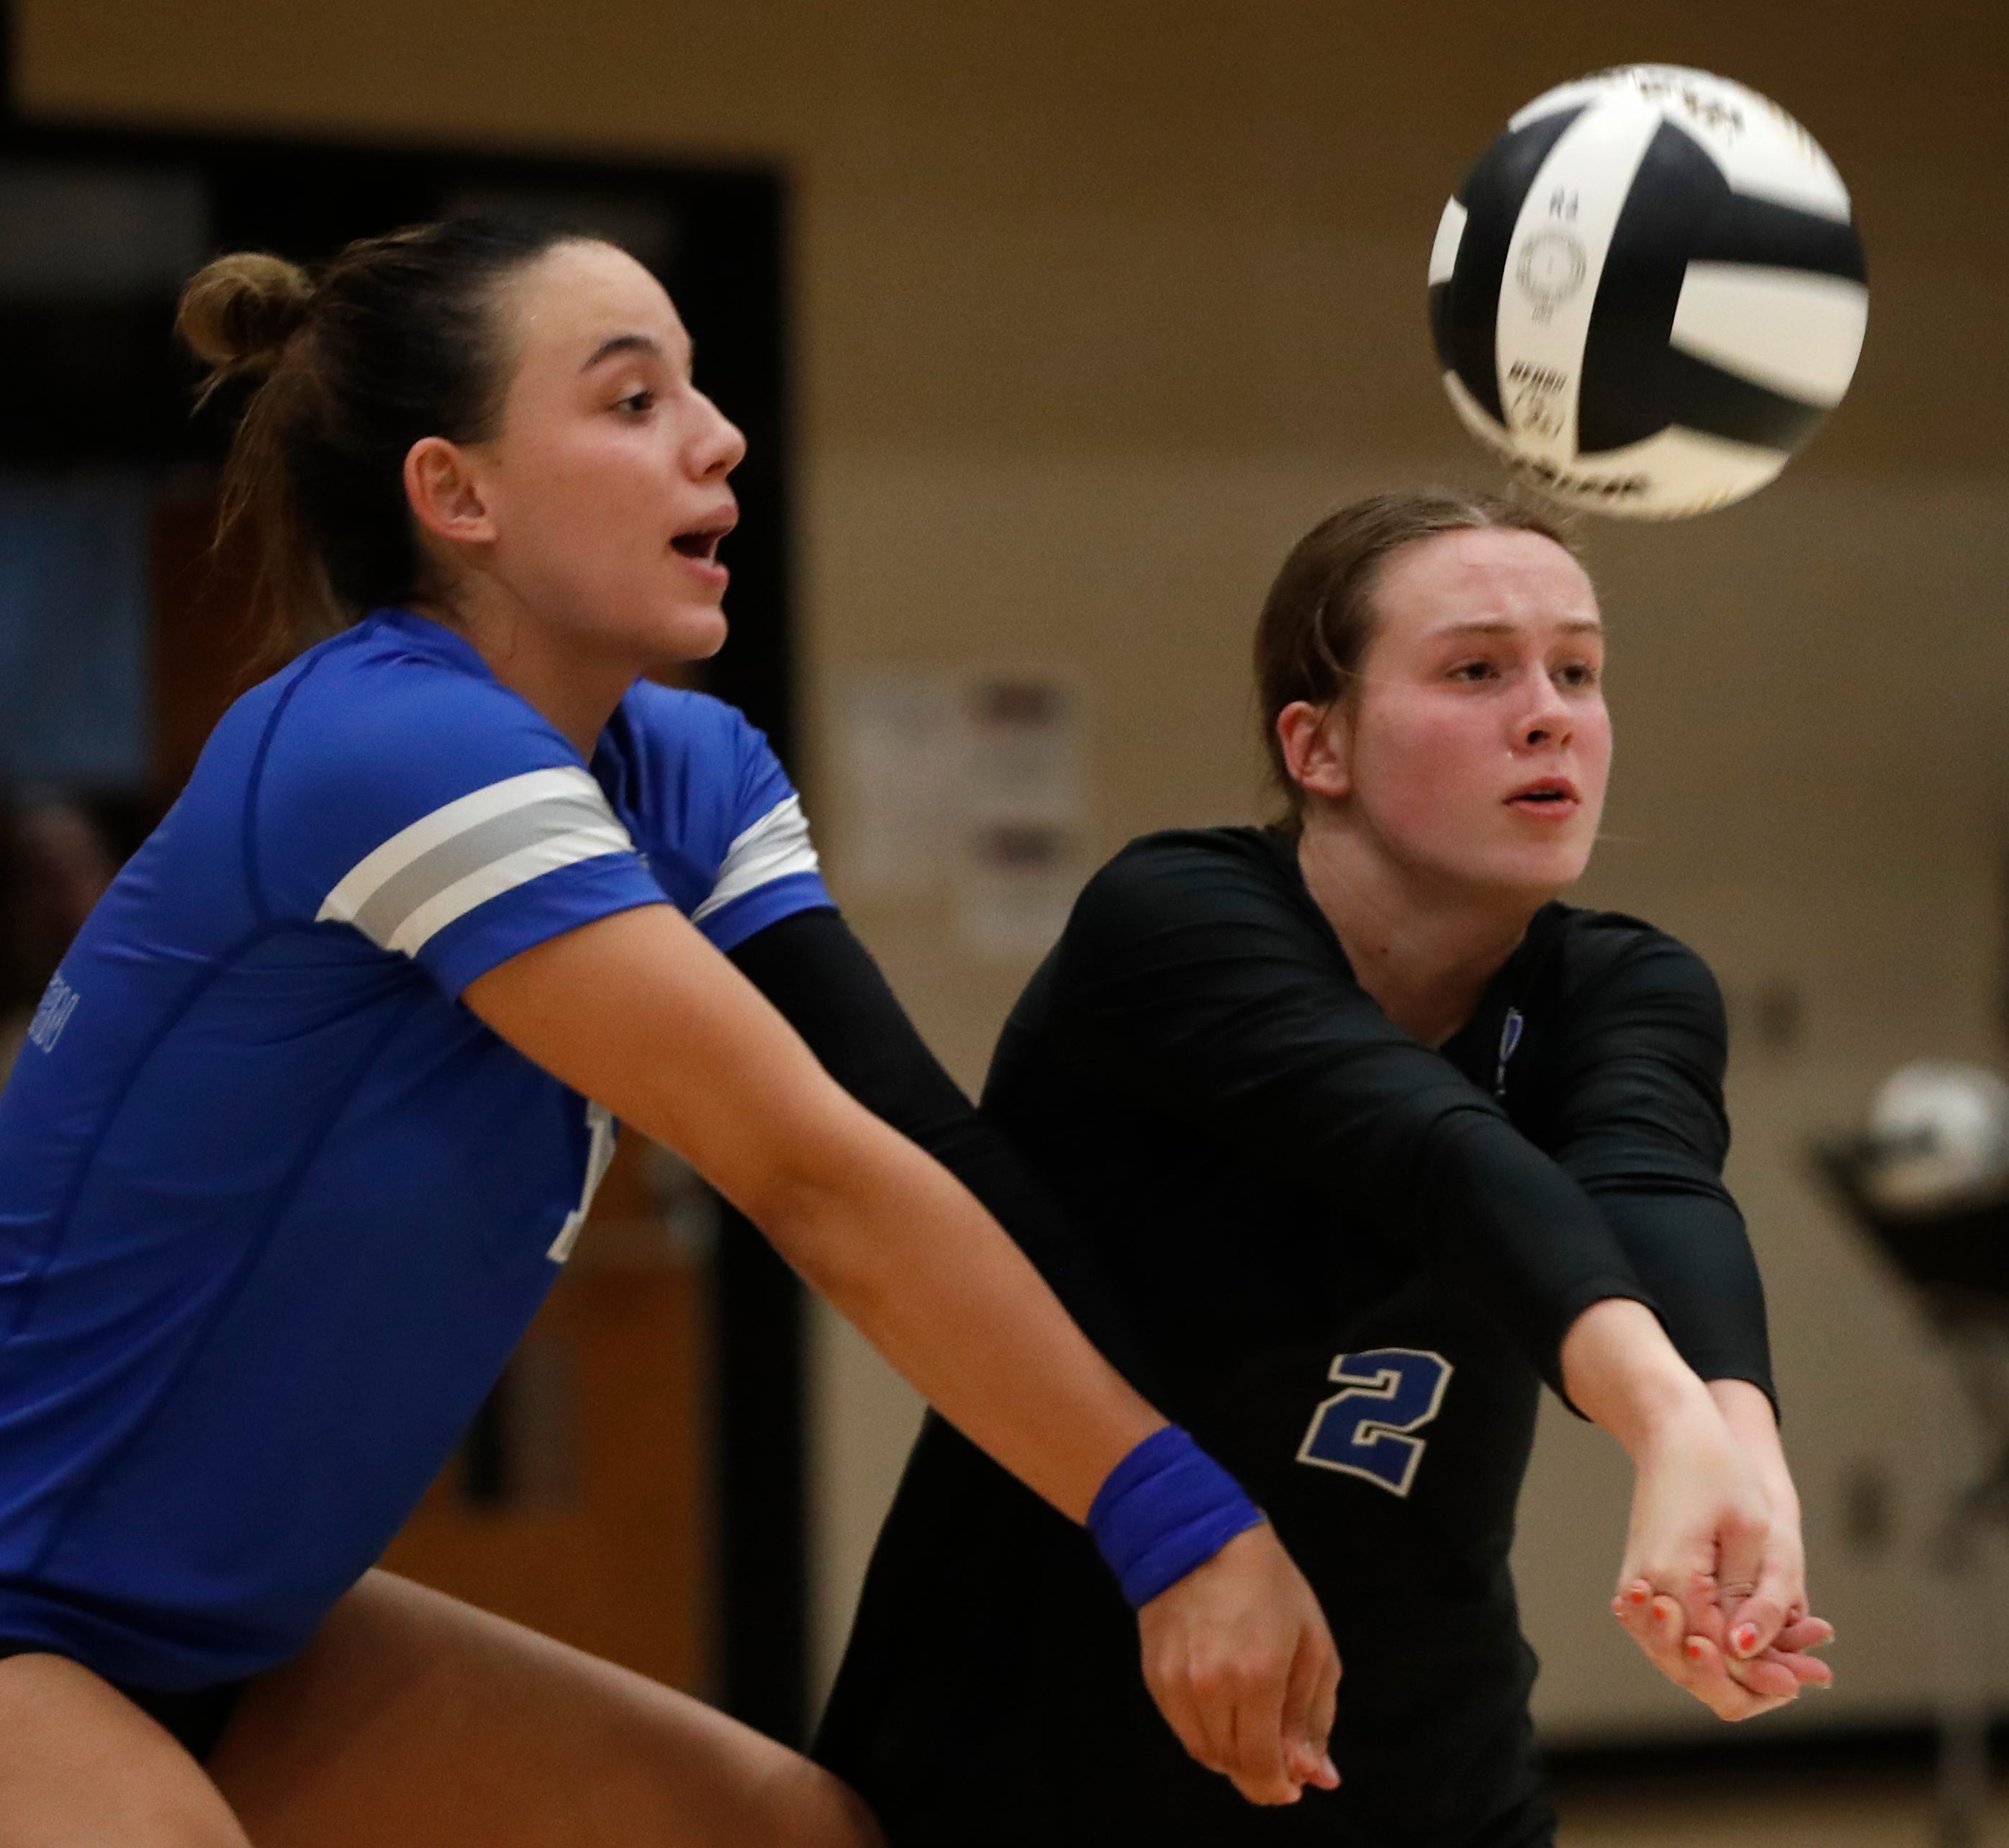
{"points": [[1743, 1639], [1694, 1648], [1639, 1595]]}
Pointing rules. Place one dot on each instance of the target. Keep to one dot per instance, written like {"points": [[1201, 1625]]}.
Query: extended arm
{"points": [[1639, 1123], [1198, 983], [1190, 979], [823, 982], [1638, 1119], [639, 1013]]}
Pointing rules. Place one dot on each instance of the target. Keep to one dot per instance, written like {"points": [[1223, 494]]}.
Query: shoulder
{"points": [[1189, 895], [693, 729], [683, 720], [1614, 964], [381, 748], [1193, 872], [372, 702], [715, 810], [689, 753]]}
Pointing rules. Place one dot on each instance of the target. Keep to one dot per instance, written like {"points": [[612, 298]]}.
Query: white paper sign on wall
{"points": [[976, 782]]}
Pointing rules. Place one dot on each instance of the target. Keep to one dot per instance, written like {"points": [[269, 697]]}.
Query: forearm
{"points": [[1621, 1371], [825, 984], [907, 1255], [1684, 1236], [637, 1013]]}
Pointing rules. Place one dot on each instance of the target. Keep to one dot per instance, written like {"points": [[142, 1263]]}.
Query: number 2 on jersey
{"points": [[1365, 1430]]}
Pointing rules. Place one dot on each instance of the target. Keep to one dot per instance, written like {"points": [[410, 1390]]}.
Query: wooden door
{"points": [[579, 1503]]}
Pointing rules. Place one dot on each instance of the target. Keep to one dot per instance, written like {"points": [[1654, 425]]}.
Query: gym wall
{"points": [[1098, 308]]}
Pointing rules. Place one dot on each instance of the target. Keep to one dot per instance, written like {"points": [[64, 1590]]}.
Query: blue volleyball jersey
{"points": [[274, 1207]]}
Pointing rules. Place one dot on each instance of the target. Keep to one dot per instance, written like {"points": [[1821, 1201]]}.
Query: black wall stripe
{"points": [[1626, 391], [1492, 195]]}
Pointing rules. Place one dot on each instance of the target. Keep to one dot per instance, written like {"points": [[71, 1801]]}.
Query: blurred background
{"points": [[1052, 326]]}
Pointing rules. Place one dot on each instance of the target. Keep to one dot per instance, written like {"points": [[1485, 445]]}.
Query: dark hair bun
{"points": [[237, 313]]}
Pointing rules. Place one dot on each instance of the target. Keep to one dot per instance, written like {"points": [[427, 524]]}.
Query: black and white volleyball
{"points": [[1648, 292]]}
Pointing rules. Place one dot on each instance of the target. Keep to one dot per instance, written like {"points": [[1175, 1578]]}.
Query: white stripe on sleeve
{"points": [[505, 875], [471, 849], [775, 846], [376, 867]]}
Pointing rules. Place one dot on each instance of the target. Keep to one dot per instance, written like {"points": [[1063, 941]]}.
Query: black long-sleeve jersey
{"points": [[1343, 1259]]}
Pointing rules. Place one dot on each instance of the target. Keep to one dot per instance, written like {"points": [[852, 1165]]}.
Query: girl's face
{"points": [[606, 485], [1476, 747]]}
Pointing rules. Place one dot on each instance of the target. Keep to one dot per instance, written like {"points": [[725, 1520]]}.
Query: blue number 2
{"points": [[1363, 1430]]}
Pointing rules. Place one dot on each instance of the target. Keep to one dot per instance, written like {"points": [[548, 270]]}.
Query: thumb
{"points": [[1755, 1624], [1754, 1600], [1751, 1624], [1308, 1708]]}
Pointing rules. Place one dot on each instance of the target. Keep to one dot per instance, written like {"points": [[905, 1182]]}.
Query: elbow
{"points": [[814, 1215]]}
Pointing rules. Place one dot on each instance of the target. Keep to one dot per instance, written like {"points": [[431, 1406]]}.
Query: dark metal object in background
{"points": [[1957, 1253], [95, 380], [1956, 1259]]}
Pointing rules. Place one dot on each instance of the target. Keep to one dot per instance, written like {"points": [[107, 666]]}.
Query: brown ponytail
{"points": [[395, 340]]}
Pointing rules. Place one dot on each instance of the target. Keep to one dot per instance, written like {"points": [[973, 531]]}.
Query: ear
{"points": [[443, 489], [1314, 738]]}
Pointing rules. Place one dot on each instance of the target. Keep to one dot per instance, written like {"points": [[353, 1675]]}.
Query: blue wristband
{"points": [[1165, 1509]]}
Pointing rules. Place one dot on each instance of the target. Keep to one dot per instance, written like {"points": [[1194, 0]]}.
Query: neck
{"points": [[1423, 947], [550, 667]]}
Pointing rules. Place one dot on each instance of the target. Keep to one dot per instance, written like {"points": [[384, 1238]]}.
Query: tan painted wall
{"points": [[1099, 304]]}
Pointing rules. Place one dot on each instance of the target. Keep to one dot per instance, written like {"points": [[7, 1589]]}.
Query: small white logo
{"points": [[602, 1128], [58, 1003]]}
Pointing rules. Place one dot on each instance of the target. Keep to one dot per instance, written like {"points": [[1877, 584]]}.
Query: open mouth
{"points": [[1551, 796], [702, 545], [700, 541]]}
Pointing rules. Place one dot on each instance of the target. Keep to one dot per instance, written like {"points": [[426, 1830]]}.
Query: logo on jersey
{"points": [[59, 1001], [1365, 1429], [602, 1128], [1511, 1030]]}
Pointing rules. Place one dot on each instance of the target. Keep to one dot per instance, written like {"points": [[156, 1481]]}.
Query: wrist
{"points": [[1748, 1413], [1165, 1510], [1668, 1414]]}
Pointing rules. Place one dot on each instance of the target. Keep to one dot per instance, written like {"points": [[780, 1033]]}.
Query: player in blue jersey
{"points": [[316, 1103]]}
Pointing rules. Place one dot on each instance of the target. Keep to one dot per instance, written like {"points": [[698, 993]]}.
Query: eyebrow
{"points": [[621, 343], [1576, 626]]}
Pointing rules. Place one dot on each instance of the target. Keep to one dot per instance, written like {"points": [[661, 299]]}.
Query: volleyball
{"points": [[1648, 292], [1938, 1136]]}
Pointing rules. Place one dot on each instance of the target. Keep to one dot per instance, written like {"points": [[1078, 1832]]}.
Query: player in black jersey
{"points": [[1363, 1134]]}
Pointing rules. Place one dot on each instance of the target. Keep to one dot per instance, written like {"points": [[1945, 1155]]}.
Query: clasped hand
{"points": [[1238, 1657], [1713, 1585]]}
